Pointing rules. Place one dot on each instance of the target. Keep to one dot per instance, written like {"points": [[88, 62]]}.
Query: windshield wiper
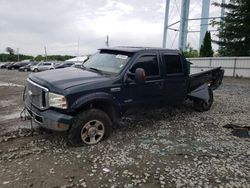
{"points": [[96, 70]]}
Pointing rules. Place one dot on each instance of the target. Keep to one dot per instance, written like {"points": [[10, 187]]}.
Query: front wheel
{"points": [[89, 128], [201, 105], [35, 70]]}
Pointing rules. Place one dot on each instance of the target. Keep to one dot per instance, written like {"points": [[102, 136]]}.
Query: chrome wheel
{"points": [[92, 132]]}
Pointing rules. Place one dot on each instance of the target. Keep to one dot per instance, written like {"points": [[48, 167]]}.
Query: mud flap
{"points": [[200, 93]]}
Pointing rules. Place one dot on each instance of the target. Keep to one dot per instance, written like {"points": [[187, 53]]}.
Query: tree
{"points": [[234, 29], [39, 58], [206, 47], [190, 52], [10, 50]]}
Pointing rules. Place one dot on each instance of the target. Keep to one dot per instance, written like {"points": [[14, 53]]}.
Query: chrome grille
{"points": [[36, 95]]}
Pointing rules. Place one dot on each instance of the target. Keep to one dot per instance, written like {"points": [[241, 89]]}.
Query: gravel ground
{"points": [[166, 147]]}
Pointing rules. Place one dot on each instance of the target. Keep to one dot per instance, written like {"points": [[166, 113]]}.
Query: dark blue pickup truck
{"points": [[87, 102]]}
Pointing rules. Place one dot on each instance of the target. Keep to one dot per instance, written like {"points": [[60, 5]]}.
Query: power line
{"points": [[177, 8], [174, 40]]}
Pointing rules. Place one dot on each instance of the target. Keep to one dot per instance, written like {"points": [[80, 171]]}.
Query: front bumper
{"points": [[50, 119]]}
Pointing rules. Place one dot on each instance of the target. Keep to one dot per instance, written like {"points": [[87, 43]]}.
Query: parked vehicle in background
{"points": [[9, 64], [64, 65], [17, 65], [43, 66], [4, 65], [87, 102], [77, 65], [27, 67], [1, 64]]}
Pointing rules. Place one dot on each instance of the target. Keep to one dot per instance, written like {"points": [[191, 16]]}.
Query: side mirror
{"points": [[140, 76]]}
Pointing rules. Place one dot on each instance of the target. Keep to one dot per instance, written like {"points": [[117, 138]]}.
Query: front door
{"points": [[151, 90]]}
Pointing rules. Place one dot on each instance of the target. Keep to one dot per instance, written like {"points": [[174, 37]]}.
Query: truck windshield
{"points": [[107, 62]]}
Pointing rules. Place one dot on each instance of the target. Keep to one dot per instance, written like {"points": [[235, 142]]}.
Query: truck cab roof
{"points": [[135, 49]]}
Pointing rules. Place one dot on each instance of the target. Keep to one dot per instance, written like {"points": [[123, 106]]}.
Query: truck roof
{"points": [[134, 49]]}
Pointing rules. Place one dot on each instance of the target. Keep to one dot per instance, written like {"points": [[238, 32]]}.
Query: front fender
{"points": [[95, 97]]}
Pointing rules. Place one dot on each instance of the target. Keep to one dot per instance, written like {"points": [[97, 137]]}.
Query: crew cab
{"points": [[87, 102]]}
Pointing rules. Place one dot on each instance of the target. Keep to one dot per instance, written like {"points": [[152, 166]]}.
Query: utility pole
{"points": [[45, 53], [17, 54], [184, 24], [204, 22], [107, 41], [165, 29], [78, 48]]}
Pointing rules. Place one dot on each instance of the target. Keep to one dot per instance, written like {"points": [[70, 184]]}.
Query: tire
{"points": [[12, 68], [201, 105], [25, 70], [89, 128], [35, 70]]}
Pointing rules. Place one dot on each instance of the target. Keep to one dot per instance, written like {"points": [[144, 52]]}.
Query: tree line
{"points": [[12, 56]]}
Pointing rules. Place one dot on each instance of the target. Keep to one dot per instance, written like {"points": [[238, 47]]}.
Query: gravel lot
{"points": [[167, 147]]}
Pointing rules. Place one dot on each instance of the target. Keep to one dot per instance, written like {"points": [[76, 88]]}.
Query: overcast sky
{"points": [[58, 24]]}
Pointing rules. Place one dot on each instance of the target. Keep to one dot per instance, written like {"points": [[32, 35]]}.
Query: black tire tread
{"points": [[74, 132]]}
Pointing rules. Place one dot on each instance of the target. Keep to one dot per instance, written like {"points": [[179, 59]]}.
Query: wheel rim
{"points": [[92, 132]]}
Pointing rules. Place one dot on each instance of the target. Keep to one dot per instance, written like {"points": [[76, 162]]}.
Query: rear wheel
{"points": [[201, 105], [35, 70], [25, 70], [90, 127]]}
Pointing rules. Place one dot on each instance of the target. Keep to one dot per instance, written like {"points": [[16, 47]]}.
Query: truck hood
{"points": [[65, 78]]}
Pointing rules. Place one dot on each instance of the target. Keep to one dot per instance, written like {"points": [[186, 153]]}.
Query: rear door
{"points": [[151, 90], [175, 82], [47, 66], [41, 66]]}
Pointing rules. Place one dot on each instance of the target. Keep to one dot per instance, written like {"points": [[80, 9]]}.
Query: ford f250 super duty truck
{"points": [[87, 102]]}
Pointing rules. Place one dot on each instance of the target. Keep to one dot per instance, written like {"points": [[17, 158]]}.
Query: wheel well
{"points": [[105, 106]]}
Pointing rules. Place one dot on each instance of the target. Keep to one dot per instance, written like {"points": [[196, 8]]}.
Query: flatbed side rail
{"points": [[213, 77]]}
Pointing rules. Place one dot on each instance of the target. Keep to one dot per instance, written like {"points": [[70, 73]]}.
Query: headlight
{"points": [[58, 101]]}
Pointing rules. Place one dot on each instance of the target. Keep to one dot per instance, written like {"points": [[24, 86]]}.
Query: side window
{"points": [[173, 64], [149, 63], [47, 63]]}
